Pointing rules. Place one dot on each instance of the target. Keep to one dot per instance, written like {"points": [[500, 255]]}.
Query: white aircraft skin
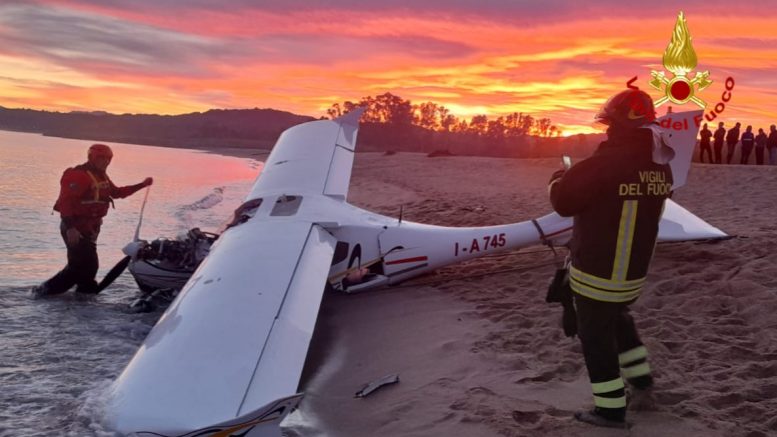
{"points": [[226, 356]]}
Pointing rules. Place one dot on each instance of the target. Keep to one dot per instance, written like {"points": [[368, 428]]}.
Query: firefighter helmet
{"points": [[629, 108]]}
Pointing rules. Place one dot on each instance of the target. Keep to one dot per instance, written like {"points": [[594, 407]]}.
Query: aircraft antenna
{"points": [[401, 211]]}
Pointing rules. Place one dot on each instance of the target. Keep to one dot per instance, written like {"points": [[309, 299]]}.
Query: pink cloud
{"points": [[497, 57]]}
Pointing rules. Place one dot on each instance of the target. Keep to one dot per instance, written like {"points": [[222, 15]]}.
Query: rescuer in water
{"points": [[616, 198], [85, 195]]}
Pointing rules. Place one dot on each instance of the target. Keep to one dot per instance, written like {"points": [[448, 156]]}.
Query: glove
{"points": [[147, 182]]}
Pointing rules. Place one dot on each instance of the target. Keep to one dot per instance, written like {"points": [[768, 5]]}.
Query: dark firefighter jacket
{"points": [[84, 197], [616, 198]]}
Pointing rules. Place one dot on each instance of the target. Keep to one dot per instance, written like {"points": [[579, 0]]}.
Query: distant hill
{"points": [[254, 128], [260, 128]]}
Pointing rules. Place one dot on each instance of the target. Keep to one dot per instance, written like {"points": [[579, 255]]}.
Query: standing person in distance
{"points": [[732, 138], [720, 136], [86, 193], [748, 140], [704, 143], [760, 145], [771, 144], [616, 198]]}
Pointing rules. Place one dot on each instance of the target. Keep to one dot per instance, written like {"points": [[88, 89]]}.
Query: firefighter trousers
{"points": [[611, 345]]}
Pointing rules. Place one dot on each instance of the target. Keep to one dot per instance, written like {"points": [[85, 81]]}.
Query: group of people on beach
{"points": [[765, 145]]}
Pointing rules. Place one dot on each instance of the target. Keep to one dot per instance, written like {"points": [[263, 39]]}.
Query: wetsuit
{"points": [[704, 145], [616, 198], [84, 198], [720, 136]]}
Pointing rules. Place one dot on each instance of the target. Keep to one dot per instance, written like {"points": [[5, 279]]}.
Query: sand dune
{"points": [[479, 352]]}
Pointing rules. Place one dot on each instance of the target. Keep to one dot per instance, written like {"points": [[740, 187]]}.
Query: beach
{"points": [[479, 352], [476, 349]]}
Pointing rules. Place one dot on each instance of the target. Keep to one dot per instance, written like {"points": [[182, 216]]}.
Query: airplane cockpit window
{"points": [[243, 213], [286, 205]]}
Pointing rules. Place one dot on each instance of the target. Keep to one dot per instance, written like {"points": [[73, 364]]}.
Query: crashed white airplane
{"points": [[226, 357]]}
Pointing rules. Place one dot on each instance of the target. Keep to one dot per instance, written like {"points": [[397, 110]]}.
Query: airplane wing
{"points": [[235, 339], [314, 157]]}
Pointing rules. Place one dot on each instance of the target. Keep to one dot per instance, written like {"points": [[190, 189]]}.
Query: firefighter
{"points": [[616, 198], [86, 193]]}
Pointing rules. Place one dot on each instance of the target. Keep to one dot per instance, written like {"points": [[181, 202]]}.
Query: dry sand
{"points": [[479, 352]]}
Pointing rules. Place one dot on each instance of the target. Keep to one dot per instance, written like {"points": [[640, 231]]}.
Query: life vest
{"points": [[97, 200], [94, 202]]}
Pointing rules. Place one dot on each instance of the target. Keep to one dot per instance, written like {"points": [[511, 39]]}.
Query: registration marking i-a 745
{"points": [[488, 242]]}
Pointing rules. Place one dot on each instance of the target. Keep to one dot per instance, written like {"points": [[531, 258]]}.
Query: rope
{"points": [[559, 262]]}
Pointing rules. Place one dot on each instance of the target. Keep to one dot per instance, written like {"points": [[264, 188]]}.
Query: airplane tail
{"points": [[678, 132]]}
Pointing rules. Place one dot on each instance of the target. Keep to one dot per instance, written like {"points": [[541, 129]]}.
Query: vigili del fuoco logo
{"points": [[680, 60]]}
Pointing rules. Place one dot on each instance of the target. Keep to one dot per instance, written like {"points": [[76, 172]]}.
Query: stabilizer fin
{"points": [[679, 130], [679, 224]]}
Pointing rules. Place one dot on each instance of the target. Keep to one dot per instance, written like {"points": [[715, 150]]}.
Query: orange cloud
{"points": [[121, 59]]}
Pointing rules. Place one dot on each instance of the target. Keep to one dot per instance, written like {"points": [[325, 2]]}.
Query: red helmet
{"points": [[99, 151], [629, 108]]}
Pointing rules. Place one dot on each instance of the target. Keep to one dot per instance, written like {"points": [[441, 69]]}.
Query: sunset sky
{"points": [[550, 58]]}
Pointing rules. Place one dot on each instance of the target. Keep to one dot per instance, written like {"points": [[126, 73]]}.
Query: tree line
{"points": [[391, 109], [390, 123]]}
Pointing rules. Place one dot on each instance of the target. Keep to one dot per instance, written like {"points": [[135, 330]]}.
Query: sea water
{"points": [[59, 355]]}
